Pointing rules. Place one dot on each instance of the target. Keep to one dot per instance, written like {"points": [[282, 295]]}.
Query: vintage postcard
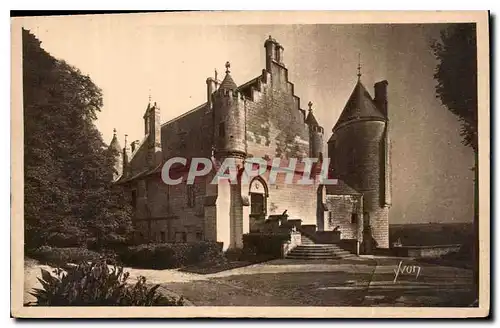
{"points": [[251, 165]]}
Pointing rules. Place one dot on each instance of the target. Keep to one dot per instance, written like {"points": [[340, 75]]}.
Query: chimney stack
{"points": [[381, 97]]}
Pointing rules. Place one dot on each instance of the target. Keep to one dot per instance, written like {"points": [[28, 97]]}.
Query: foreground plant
{"points": [[96, 284]]}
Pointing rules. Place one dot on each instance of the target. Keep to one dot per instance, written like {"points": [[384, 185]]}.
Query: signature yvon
{"points": [[406, 269]]}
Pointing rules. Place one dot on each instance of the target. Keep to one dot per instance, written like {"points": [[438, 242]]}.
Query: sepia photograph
{"points": [[251, 164]]}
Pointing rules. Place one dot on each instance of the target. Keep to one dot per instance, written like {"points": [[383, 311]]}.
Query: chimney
{"points": [[211, 88], [279, 54], [381, 97], [134, 144], [271, 52]]}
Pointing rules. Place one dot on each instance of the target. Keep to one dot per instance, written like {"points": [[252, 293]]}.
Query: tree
{"points": [[69, 198], [456, 76]]}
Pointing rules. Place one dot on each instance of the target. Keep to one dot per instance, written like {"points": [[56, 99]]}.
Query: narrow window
{"points": [[354, 217], [199, 236], [162, 236], [222, 130]]}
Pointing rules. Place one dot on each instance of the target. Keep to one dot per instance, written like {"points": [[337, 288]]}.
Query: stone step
{"points": [[307, 249], [329, 257], [319, 253], [313, 249]]}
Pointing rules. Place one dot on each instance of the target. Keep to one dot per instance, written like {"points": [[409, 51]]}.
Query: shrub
{"points": [[97, 284], [166, 256], [265, 243], [235, 254], [61, 256]]}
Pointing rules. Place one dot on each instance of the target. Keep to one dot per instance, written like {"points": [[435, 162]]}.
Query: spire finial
{"points": [[126, 139], [215, 74], [114, 132], [149, 97], [359, 66], [310, 104], [228, 66]]}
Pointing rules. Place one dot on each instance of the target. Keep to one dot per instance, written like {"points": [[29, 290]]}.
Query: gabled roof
{"points": [[341, 188], [359, 105]]}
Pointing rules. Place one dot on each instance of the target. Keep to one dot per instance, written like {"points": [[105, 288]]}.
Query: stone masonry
{"points": [[260, 118]]}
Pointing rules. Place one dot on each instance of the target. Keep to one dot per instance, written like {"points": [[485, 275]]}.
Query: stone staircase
{"points": [[318, 252]]}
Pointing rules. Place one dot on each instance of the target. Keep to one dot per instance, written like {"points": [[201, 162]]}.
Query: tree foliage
{"points": [[69, 199], [456, 76]]}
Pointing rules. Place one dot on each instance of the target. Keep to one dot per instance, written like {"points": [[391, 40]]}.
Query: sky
{"points": [[132, 59]]}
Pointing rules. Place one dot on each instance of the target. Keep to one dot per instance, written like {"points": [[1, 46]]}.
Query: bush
{"points": [[97, 285], [166, 256], [265, 243], [62, 256], [235, 254]]}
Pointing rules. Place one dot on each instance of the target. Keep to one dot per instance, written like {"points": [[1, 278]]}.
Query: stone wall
{"points": [[275, 125], [345, 212], [189, 135]]}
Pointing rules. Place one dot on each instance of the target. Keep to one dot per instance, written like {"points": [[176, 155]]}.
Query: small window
{"points": [[191, 196], [222, 130], [354, 217], [162, 236], [199, 236]]}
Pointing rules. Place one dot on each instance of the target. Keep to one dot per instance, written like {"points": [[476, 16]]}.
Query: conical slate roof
{"points": [[311, 120], [115, 144], [359, 105], [228, 83]]}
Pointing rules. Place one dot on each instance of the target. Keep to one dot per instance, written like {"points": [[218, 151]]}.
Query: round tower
{"points": [[359, 148], [116, 150], [229, 120], [229, 142], [315, 135]]}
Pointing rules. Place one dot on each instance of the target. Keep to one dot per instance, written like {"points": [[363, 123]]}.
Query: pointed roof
{"points": [[115, 144], [359, 105], [311, 120], [228, 82]]}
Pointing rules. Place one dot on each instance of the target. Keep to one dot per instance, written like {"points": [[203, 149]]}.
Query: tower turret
{"points": [[229, 143], [229, 119], [357, 152], [116, 149], [315, 135]]}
